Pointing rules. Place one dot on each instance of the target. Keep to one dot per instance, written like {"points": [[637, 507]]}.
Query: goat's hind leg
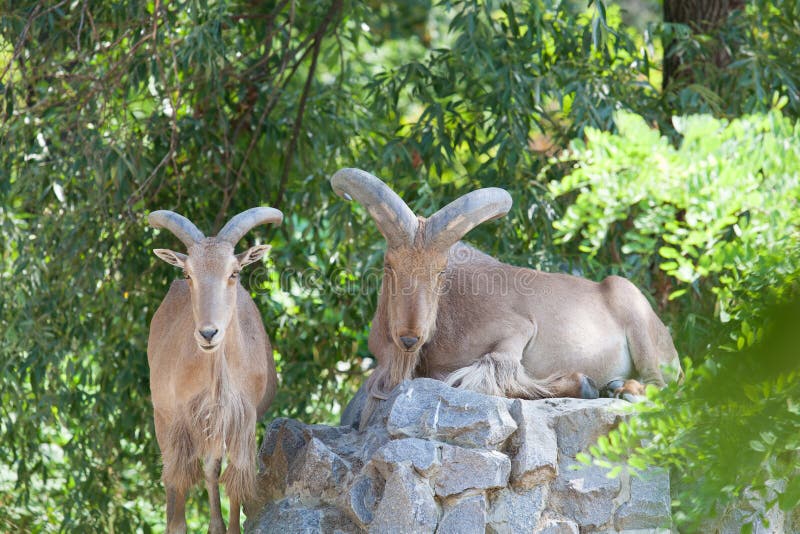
{"points": [[502, 374]]}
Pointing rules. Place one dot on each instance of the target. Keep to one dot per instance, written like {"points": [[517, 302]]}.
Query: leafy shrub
{"points": [[719, 215]]}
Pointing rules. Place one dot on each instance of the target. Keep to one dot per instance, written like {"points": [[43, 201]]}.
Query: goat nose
{"points": [[208, 333], [409, 341]]}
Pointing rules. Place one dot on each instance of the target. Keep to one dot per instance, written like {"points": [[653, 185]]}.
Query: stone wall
{"points": [[438, 459]]}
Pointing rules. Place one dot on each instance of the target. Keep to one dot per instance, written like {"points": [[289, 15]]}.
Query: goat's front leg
{"points": [[233, 523], [211, 469], [176, 511]]}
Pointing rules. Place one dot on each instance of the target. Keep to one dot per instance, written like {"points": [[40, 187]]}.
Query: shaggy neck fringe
{"points": [[221, 421]]}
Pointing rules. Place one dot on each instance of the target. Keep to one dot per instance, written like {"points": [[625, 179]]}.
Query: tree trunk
{"points": [[702, 16]]}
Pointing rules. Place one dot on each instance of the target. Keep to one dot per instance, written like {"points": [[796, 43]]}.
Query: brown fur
{"points": [[207, 400], [181, 466], [481, 324], [495, 338]]}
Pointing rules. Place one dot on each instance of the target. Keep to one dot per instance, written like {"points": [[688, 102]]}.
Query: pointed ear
{"points": [[173, 258], [252, 254]]}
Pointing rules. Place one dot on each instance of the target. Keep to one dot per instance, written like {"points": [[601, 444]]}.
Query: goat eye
{"points": [[186, 275], [234, 275]]}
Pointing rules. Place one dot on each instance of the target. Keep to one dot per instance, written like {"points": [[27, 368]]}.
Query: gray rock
{"points": [[283, 443], [552, 523], [750, 509], [585, 495], [514, 511], [318, 472], [420, 454], [464, 469], [363, 497], [464, 516], [429, 409], [535, 457], [372, 439], [407, 505], [648, 505], [284, 434], [351, 415], [433, 457], [290, 515], [793, 520], [579, 422]]}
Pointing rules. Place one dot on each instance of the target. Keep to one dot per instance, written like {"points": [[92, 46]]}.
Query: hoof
{"points": [[610, 389], [629, 390], [588, 388]]}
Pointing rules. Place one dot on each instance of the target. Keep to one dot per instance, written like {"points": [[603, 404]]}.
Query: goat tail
{"points": [[181, 466], [503, 375]]}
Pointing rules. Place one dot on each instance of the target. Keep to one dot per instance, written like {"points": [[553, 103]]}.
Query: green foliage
{"points": [[729, 433], [719, 215], [760, 45], [512, 70], [112, 109]]}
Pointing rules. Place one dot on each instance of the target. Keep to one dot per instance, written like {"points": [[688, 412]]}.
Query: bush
{"points": [[719, 215]]}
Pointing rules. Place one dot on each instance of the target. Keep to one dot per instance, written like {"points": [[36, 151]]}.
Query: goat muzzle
{"points": [[408, 341], [208, 338]]}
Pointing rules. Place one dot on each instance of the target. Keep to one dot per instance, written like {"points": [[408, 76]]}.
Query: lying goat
{"points": [[212, 374], [448, 311]]}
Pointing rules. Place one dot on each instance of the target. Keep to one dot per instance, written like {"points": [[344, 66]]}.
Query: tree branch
{"points": [[320, 33]]}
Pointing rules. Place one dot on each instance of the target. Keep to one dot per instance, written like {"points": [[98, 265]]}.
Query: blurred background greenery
{"points": [[656, 140]]}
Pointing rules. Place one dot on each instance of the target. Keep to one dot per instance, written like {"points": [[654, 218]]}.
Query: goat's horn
{"points": [[233, 231], [450, 223], [183, 228], [394, 218]]}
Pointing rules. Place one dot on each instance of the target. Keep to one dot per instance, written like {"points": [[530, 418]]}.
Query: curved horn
{"points": [[394, 218], [233, 231], [450, 223], [183, 228]]}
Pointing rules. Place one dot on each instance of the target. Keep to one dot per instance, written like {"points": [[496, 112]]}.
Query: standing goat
{"points": [[212, 374], [448, 311]]}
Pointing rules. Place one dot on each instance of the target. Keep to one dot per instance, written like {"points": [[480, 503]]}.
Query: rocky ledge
{"points": [[439, 459]]}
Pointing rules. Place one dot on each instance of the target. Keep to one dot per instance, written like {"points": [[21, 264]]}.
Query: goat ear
{"points": [[252, 254], [173, 258]]}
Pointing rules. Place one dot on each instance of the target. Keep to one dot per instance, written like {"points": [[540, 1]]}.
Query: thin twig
{"points": [[20, 42], [18, 46], [231, 189], [173, 137], [320, 33]]}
